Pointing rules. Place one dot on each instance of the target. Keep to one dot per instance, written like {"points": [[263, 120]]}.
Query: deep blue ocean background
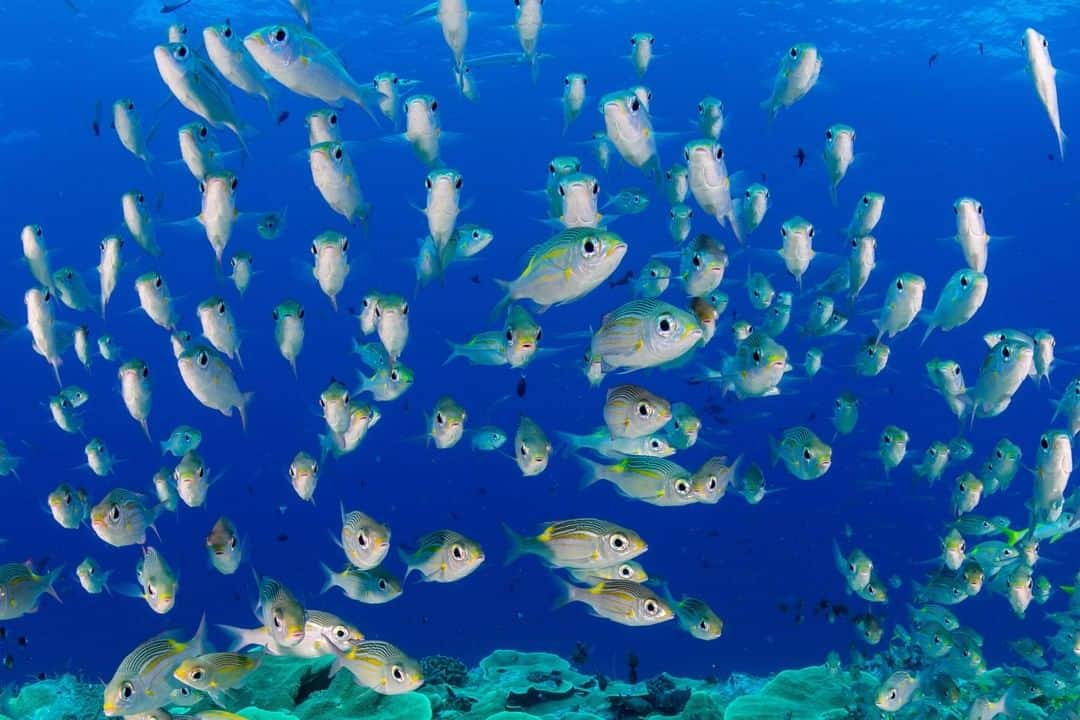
{"points": [[969, 125]]}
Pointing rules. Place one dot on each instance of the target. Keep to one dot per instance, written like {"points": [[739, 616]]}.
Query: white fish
{"points": [[109, 267], [798, 73], [971, 232], [136, 392], [155, 300], [797, 250], [71, 289], [629, 128], [227, 52], [129, 130], [138, 221], [219, 327], [1044, 75], [81, 341], [709, 181], [49, 337], [219, 213], [960, 299], [323, 126], [211, 382], [200, 151], [335, 176], [390, 85], [443, 204], [641, 52], [839, 155], [36, 254], [422, 127], [331, 263], [575, 86]]}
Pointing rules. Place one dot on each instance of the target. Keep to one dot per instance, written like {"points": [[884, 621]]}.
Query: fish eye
{"points": [[145, 371], [459, 182], [457, 552], [828, 135], [434, 105], [280, 35], [644, 410], [47, 296], [655, 444], [618, 541], [719, 153], [398, 673], [793, 52], [439, 419], [114, 514], [139, 198], [696, 260], [651, 608], [854, 242], [181, 51], [783, 231], [596, 188], [196, 674], [757, 358], [221, 308], [227, 32], [806, 454], [394, 375], [202, 188], [314, 249], [810, 232], [664, 324], [588, 247], [338, 153], [1006, 353], [963, 281], [157, 281], [204, 359], [1044, 443], [1045, 43], [551, 168], [635, 105], [234, 183], [524, 449], [127, 690], [866, 200], [383, 585]]}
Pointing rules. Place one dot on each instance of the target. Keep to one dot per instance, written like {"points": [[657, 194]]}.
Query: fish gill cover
{"points": [[492, 360]]}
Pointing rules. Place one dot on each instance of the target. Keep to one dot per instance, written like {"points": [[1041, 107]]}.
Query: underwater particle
{"points": [[283, 117], [800, 156], [283, 537], [95, 125], [632, 662], [933, 59], [22, 641], [521, 387]]}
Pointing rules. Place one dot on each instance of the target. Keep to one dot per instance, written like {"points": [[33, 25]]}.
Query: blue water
{"points": [[967, 126]]}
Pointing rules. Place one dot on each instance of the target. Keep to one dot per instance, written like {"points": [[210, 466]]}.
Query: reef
{"points": [[506, 685]]}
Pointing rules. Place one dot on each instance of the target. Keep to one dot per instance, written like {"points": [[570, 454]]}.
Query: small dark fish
{"points": [[312, 682], [41, 676], [23, 642], [933, 59], [3, 632], [96, 124], [283, 117], [980, 48], [521, 387], [283, 537], [167, 8], [800, 155], [622, 280]]}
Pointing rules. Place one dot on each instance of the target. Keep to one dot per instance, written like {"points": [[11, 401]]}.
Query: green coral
{"points": [[813, 693]]}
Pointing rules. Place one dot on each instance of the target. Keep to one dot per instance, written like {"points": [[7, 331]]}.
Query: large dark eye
{"points": [[234, 183], [696, 260], [719, 153], [458, 183], [588, 247], [383, 585], [828, 134], [140, 199], [203, 132], [344, 244], [338, 153], [899, 284], [204, 359], [596, 188], [145, 371], [509, 335], [793, 52], [635, 105], [963, 281], [314, 249], [1044, 443], [280, 35], [361, 540], [196, 674], [665, 324], [181, 51], [157, 281], [115, 513], [439, 419], [810, 232], [1005, 353], [457, 552], [127, 690], [806, 454], [551, 168], [434, 105], [757, 356], [398, 674], [566, 81]]}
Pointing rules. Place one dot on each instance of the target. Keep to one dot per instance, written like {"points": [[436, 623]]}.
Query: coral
{"points": [[446, 670], [345, 700], [813, 693], [61, 698]]}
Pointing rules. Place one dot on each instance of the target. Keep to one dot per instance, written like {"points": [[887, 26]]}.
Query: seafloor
{"points": [[507, 685]]}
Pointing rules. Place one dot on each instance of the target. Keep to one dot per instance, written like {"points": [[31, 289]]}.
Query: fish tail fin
{"points": [[455, 352], [1062, 139], [504, 302], [519, 545], [242, 407], [832, 195], [50, 580], [329, 582], [593, 471], [145, 425], [292, 366], [569, 592], [198, 641], [1014, 536], [241, 638]]}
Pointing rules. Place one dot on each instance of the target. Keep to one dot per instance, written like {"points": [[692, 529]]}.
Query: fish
{"points": [[156, 300], [304, 476], [626, 603], [839, 155], [799, 70], [288, 318], [709, 181], [629, 129], [135, 389], [380, 666], [69, 507], [578, 544], [629, 201], [129, 130], [960, 299], [226, 51], [575, 87], [644, 333], [565, 268], [679, 223], [375, 586], [224, 547], [92, 577], [158, 584], [182, 440], [71, 289], [281, 613], [21, 589], [533, 449], [365, 541], [331, 263], [300, 61], [1043, 75], [49, 338], [631, 411], [143, 679], [804, 454], [122, 518], [446, 424], [641, 53], [109, 268], [198, 87], [321, 631], [649, 479], [797, 248], [216, 673], [443, 556], [211, 382]]}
